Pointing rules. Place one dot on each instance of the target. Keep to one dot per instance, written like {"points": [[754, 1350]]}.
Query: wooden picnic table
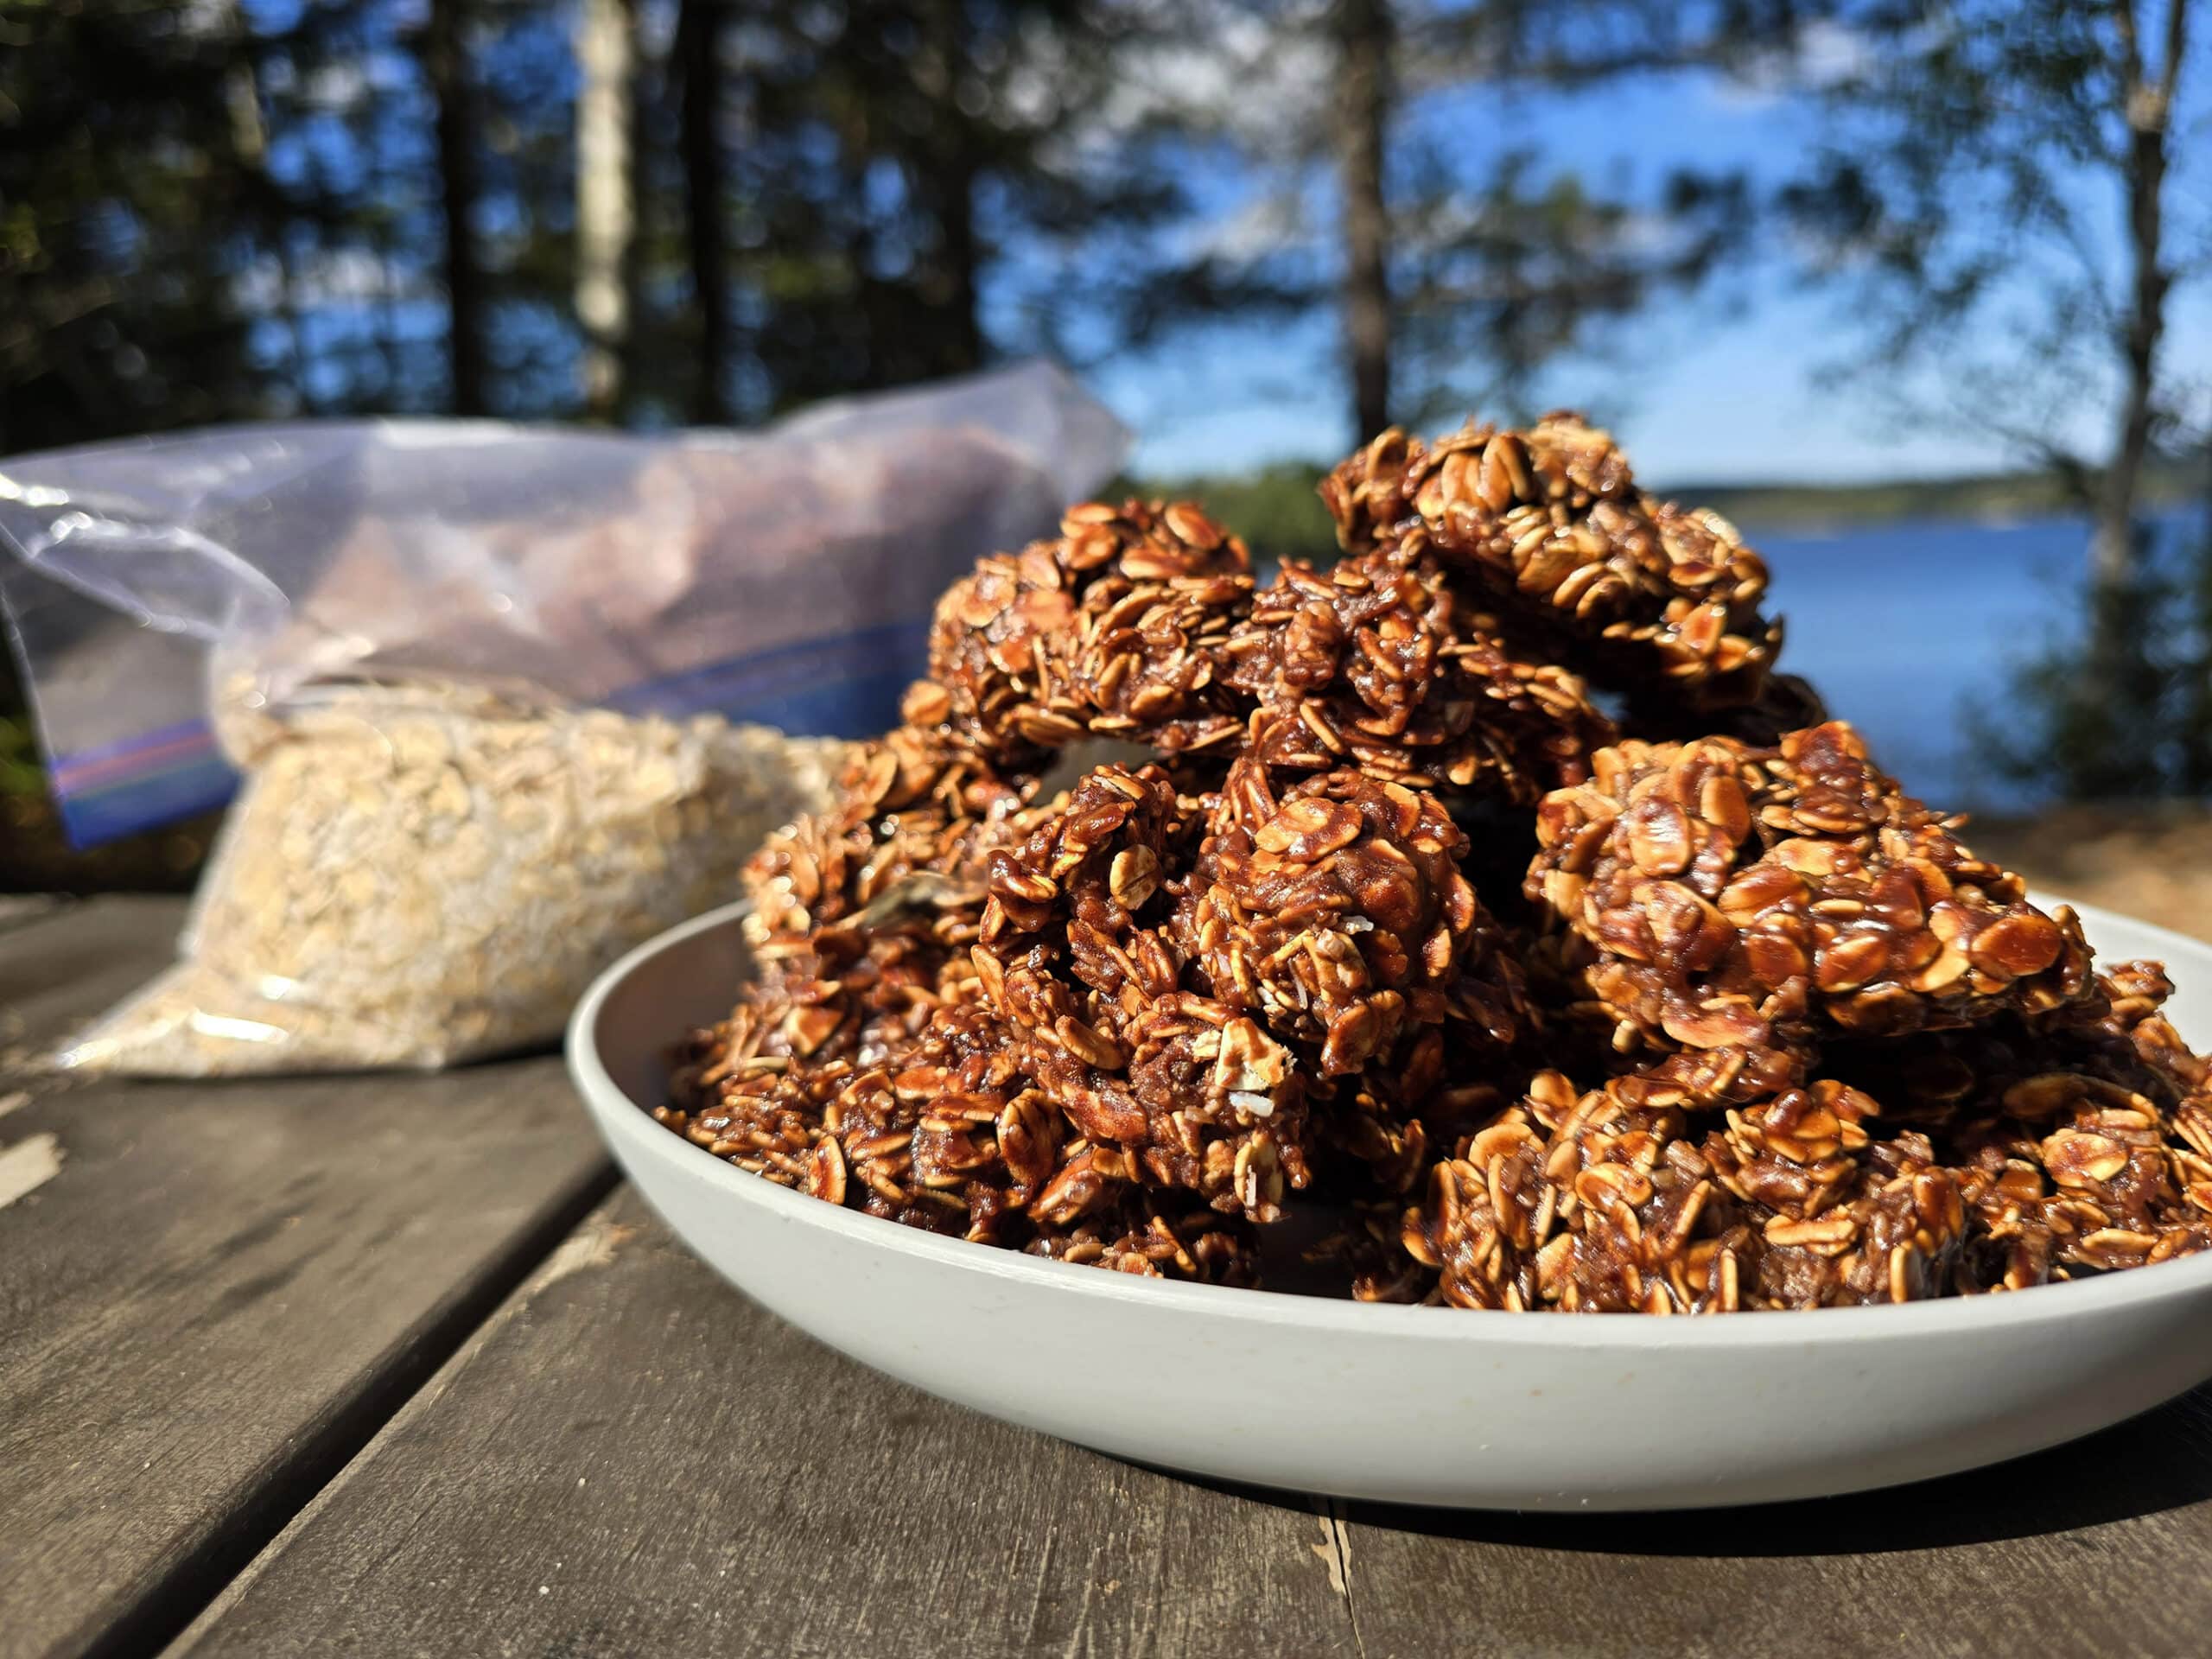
{"points": [[392, 1365]]}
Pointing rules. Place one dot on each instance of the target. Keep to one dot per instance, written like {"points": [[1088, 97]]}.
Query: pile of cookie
{"points": [[1178, 902]]}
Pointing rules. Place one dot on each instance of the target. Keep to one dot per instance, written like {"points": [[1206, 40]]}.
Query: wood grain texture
{"points": [[632, 1459], [222, 1289], [60, 963], [2097, 1549]]}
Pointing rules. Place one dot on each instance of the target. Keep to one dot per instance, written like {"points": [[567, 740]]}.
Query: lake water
{"points": [[1901, 625]]}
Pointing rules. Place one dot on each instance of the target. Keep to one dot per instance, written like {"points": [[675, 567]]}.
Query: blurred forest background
{"points": [[655, 212]]}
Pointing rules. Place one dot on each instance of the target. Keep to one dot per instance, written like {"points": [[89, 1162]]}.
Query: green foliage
{"points": [[2005, 201], [122, 165], [233, 211], [1495, 257], [2116, 704], [1993, 208], [1274, 508], [20, 775], [893, 150], [1495, 281]]}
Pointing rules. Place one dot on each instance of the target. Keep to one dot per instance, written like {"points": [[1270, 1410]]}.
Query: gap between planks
{"points": [[1335, 1554], [1058, 1550], [198, 1580]]}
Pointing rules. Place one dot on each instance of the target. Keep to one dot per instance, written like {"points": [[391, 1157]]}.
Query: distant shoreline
{"points": [[1275, 509], [1982, 499]]}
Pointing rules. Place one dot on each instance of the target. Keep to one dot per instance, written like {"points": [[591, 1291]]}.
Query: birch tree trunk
{"points": [[2149, 101], [606, 224]]}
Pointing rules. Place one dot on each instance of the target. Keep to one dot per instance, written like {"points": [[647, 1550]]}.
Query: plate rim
{"points": [[631, 1133]]}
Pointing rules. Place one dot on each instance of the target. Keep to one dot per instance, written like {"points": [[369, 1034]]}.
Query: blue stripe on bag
{"points": [[841, 685], [161, 792]]}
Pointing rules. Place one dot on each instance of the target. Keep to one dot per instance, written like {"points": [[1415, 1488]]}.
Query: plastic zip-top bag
{"points": [[423, 871], [476, 677], [784, 576]]}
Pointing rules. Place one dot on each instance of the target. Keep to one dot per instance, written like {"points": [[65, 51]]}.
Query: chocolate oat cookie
{"points": [[1629, 1199], [1377, 663], [1076, 953], [1152, 1234], [1728, 895], [1385, 916], [1549, 525], [916, 814], [1110, 629], [1334, 909]]}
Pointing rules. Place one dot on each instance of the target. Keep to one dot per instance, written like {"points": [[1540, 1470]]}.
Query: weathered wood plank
{"points": [[215, 1292], [18, 909], [631, 1459], [69, 959], [2096, 1549]]}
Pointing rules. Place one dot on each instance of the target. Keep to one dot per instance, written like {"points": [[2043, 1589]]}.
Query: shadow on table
{"points": [[2161, 1460]]}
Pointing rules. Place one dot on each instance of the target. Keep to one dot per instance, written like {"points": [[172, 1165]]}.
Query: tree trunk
{"points": [[2195, 773], [2149, 95], [605, 223], [1362, 40], [2113, 549], [446, 65], [957, 225], [698, 56], [649, 82], [953, 187]]}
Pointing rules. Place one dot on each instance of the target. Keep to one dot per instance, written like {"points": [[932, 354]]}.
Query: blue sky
{"points": [[1725, 385]]}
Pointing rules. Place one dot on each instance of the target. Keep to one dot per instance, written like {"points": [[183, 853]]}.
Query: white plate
{"points": [[1419, 1405]]}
